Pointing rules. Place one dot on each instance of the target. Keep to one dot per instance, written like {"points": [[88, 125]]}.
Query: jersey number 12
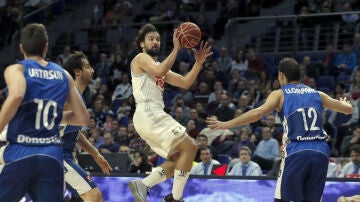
{"points": [[309, 115]]}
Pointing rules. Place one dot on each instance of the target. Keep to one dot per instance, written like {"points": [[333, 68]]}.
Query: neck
{"points": [[80, 86], [155, 58], [37, 58]]}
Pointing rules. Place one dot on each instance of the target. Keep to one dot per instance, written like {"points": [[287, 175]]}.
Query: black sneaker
{"points": [[169, 198]]}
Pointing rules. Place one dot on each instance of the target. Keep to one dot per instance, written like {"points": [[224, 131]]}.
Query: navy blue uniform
{"points": [[75, 177], [33, 158], [305, 159]]}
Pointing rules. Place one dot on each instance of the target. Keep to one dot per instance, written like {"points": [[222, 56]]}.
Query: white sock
{"points": [[157, 175], [180, 179]]}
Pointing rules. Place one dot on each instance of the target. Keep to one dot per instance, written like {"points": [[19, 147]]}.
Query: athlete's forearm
{"points": [[190, 77], [246, 118], [87, 146], [168, 63]]}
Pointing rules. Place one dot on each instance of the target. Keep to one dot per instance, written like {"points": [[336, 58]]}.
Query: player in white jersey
{"points": [[164, 135], [305, 149]]}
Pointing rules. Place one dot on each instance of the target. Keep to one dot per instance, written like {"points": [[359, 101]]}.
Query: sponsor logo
{"points": [[182, 173], [88, 178], [162, 173], [160, 82], [318, 137], [38, 140]]}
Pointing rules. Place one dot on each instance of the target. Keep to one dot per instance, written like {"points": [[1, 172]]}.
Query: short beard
{"points": [[152, 53]]}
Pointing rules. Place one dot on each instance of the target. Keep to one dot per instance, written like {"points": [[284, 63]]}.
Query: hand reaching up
{"points": [[203, 53]]}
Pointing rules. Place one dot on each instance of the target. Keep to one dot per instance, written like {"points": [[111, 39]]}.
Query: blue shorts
{"points": [[77, 178], [41, 176], [302, 176]]}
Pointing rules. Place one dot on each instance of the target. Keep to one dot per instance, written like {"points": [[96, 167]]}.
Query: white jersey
{"points": [[148, 89], [160, 131]]}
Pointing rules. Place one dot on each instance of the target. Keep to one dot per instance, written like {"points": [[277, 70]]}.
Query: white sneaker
{"points": [[139, 190]]}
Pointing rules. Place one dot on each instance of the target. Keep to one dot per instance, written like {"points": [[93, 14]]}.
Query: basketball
{"points": [[189, 34]]}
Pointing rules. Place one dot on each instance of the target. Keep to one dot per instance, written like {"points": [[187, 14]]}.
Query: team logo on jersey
{"points": [[176, 131], [89, 179], [160, 82]]}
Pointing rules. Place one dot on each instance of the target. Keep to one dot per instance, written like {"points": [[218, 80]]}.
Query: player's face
{"points": [[152, 44], [87, 72]]}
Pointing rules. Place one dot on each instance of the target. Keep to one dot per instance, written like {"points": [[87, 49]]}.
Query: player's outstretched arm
{"points": [[78, 116], [271, 103], [343, 105], [16, 84], [147, 64], [89, 148], [186, 81]]}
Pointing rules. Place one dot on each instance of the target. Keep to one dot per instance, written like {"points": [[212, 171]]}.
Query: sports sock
{"points": [[180, 178], [157, 175]]}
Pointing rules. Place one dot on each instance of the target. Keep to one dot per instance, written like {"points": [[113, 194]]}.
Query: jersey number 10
{"points": [[43, 114]]}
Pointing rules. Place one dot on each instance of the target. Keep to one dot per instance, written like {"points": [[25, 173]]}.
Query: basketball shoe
{"points": [[169, 198], [139, 190]]}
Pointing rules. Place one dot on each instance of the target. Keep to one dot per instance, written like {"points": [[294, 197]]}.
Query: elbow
{"points": [[16, 97], [87, 120], [349, 111], [161, 72], [186, 86]]}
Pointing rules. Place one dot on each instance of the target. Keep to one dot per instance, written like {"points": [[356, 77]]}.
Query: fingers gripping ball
{"points": [[189, 34]]}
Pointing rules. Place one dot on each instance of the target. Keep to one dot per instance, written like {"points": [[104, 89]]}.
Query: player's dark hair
{"points": [[290, 68], [75, 62], [147, 28], [33, 39]]}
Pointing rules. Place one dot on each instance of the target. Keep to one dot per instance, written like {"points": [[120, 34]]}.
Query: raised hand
{"points": [[176, 40], [203, 53]]}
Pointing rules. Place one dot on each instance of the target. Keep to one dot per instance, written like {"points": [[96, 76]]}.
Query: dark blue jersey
{"points": [[70, 138], [301, 117], [37, 120]]}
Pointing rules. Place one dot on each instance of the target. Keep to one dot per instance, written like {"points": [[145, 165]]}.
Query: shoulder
{"points": [[215, 162], [237, 165], [14, 67], [198, 165], [252, 163]]}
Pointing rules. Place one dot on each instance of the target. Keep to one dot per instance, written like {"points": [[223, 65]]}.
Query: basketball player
{"points": [[32, 161], [80, 70], [305, 154], [164, 135]]}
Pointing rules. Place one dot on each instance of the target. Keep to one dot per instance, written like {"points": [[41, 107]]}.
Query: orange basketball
{"points": [[189, 34]]}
